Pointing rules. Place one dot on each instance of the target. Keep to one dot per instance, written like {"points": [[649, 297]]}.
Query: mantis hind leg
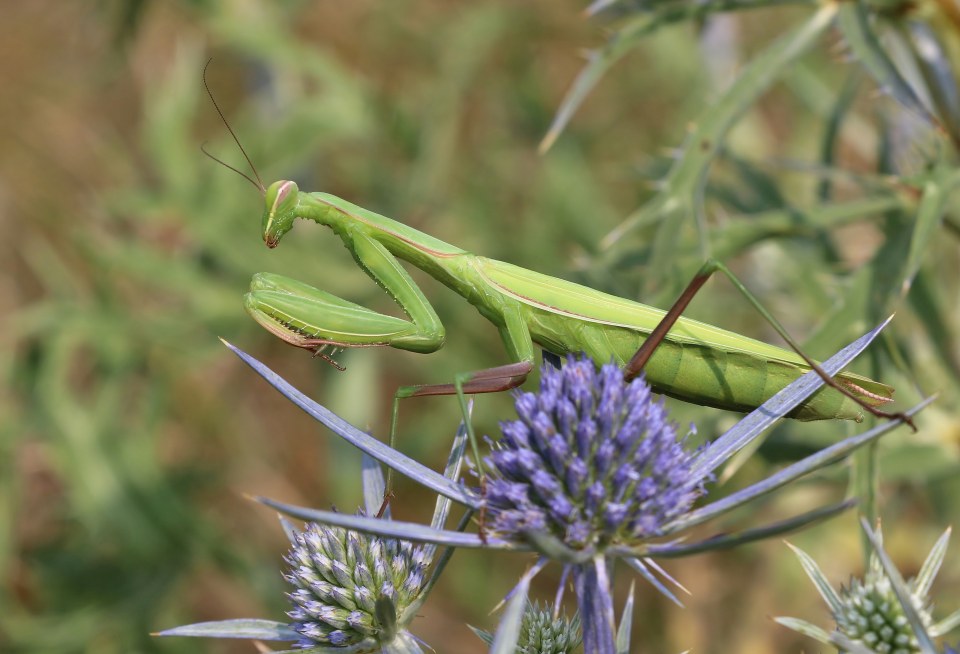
{"points": [[636, 364], [490, 380], [516, 338]]}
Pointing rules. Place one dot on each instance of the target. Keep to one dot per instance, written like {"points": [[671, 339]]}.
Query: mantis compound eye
{"points": [[284, 190], [280, 211]]}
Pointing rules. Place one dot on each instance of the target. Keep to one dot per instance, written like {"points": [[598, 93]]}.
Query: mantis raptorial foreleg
{"points": [[311, 318], [635, 366]]}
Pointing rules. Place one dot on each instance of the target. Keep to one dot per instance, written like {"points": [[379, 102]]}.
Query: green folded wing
{"points": [[583, 303]]}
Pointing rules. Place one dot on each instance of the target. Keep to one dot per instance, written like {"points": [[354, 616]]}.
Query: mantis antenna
{"points": [[258, 182]]}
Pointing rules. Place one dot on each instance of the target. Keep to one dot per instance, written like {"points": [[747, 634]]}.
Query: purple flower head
{"points": [[591, 459], [340, 576]]}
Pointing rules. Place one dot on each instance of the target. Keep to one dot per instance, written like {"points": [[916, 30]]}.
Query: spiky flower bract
{"points": [[351, 586], [881, 612], [591, 459], [592, 462], [543, 633]]}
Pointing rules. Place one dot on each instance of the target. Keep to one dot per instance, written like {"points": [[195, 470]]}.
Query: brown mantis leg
{"points": [[636, 364], [516, 338]]}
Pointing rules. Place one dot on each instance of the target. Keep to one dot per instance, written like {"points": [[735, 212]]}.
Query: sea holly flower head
{"points": [[591, 459], [542, 632], [591, 463], [880, 613], [353, 592], [872, 616], [351, 587]]}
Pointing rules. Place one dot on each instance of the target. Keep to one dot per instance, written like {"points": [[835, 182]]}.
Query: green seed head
{"points": [[872, 614], [541, 633]]}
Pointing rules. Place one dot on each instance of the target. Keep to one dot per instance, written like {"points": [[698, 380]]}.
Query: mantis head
{"points": [[282, 199]]}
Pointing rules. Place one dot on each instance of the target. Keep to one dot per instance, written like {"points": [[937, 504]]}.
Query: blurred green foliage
{"points": [[127, 432]]}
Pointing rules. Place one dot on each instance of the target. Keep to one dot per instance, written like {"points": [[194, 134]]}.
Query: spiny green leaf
{"points": [[680, 193], [771, 530], [946, 625], [935, 67], [860, 35], [252, 629], [626, 39]]}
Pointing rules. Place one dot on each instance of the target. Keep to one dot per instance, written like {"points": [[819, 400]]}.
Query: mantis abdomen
{"points": [[696, 362], [700, 373]]}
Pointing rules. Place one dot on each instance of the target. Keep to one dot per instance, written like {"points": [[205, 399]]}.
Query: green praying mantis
{"points": [[680, 357]]}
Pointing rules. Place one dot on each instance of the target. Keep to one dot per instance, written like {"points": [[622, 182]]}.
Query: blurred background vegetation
{"points": [[128, 433]]}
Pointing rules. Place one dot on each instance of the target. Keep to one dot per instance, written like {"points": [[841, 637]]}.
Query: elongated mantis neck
{"points": [[420, 249]]}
